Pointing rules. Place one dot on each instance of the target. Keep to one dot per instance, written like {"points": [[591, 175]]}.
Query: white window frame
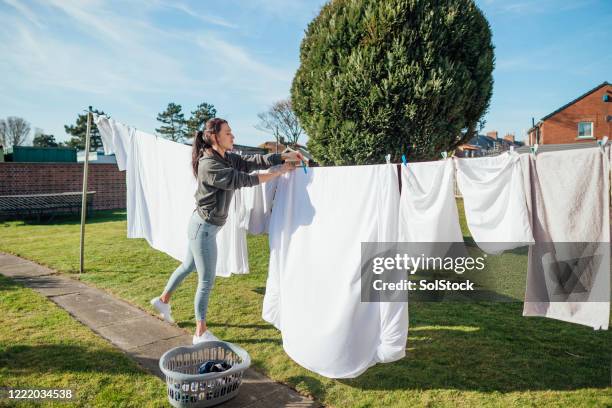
{"points": [[591, 136]]}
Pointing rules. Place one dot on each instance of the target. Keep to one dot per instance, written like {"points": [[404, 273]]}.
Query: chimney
{"points": [[492, 134], [509, 137]]}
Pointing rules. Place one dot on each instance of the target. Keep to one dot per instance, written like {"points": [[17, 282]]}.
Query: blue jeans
{"points": [[202, 256]]}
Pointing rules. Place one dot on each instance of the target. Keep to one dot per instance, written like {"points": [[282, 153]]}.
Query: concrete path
{"points": [[137, 333]]}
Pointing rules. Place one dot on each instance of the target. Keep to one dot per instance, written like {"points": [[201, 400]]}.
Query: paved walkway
{"points": [[140, 335]]}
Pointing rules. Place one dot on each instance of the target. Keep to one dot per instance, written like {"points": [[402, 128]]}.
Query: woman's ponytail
{"points": [[202, 141]]}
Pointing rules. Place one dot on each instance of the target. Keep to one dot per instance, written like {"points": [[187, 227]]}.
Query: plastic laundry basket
{"points": [[188, 388]]}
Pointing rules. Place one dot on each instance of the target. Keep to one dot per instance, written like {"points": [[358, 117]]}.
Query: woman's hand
{"points": [[282, 169], [293, 157], [275, 172]]}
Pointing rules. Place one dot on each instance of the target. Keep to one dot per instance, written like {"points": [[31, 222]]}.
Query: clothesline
{"points": [[321, 218]]}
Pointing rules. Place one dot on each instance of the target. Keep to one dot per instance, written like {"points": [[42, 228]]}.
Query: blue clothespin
{"points": [[304, 167], [404, 160], [534, 149], [603, 142]]}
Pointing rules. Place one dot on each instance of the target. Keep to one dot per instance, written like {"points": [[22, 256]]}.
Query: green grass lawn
{"points": [[41, 346], [458, 354]]}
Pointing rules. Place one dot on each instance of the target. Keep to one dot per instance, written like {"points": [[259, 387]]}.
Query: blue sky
{"points": [[132, 58]]}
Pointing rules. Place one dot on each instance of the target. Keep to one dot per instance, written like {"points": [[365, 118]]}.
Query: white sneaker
{"points": [[206, 336], [163, 309]]}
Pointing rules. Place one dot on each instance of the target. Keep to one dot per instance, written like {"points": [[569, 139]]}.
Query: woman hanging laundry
{"points": [[218, 173]]}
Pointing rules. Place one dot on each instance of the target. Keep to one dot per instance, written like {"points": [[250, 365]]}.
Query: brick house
{"points": [[585, 119], [487, 145]]}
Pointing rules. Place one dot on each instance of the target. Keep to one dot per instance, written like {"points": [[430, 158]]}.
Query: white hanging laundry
{"points": [[259, 205], [248, 197], [116, 138], [233, 257], [160, 186], [494, 201], [106, 133], [568, 274], [160, 196], [313, 291], [428, 210]]}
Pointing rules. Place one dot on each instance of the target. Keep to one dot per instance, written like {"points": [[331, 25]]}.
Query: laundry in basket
{"points": [[186, 387]]}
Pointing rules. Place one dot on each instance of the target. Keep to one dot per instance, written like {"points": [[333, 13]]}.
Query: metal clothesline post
{"points": [[84, 198]]}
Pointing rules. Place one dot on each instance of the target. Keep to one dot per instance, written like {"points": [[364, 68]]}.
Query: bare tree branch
{"points": [[14, 131], [281, 121], [3, 132]]}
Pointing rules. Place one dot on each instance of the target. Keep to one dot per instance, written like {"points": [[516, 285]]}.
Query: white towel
{"points": [[569, 205], [428, 210], [494, 201]]}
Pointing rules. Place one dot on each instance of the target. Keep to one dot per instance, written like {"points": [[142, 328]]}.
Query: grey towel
{"points": [[568, 200]]}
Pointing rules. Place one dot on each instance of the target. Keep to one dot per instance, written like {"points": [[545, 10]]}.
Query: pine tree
{"points": [[199, 116], [79, 133], [174, 124], [43, 140], [393, 76]]}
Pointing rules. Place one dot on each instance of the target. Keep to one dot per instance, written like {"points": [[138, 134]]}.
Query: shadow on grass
{"points": [[75, 219], [191, 325], [470, 243], [494, 351], [243, 326], [278, 342], [261, 290], [60, 358], [484, 347], [8, 284]]}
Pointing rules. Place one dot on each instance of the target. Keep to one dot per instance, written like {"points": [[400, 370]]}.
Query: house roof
{"points": [[574, 101], [270, 144], [469, 147], [248, 148], [488, 142]]}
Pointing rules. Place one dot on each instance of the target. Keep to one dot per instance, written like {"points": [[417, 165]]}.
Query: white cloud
{"points": [[206, 18], [121, 57], [25, 11], [238, 69]]}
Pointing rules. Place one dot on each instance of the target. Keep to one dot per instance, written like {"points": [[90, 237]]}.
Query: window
{"points": [[585, 130]]}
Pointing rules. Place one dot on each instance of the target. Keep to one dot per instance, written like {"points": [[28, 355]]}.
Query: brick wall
{"points": [[39, 178], [563, 126]]}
